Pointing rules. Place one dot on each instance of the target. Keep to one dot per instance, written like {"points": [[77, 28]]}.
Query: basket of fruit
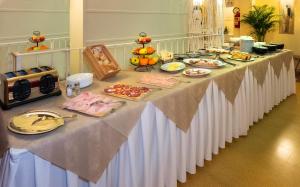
{"points": [[144, 57]]}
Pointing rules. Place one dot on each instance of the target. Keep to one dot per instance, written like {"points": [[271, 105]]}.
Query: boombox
{"points": [[25, 86]]}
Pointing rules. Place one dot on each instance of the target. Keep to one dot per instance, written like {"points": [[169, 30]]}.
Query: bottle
{"points": [[69, 90]]}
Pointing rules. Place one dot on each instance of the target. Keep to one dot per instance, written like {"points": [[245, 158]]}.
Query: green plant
{"points": [[262, 19]]}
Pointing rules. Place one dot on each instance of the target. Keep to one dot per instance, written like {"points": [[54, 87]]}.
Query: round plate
{"points": [[218, 62], [173, 67], [35, 122], [199, 72]]}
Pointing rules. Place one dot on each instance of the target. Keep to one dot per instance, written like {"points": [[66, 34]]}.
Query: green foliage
{"points": [[262, 19]]}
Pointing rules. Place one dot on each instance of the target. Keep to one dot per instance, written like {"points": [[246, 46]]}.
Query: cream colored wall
{"points": [[112, 21], [76, 32], [292, 41], [19, 18], [244, 6], [228, 19], [109, 22]]}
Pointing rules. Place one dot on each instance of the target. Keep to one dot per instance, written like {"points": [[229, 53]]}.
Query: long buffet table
{"points": [[153, 142]]}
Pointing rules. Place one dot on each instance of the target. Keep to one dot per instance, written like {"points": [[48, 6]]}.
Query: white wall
{"points": [[122, 20], [18, 18], [119, 21]]}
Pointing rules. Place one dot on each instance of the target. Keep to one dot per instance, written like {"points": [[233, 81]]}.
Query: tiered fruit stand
{"points": [[144, 57]]}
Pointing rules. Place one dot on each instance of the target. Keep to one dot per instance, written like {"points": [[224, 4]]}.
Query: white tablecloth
{"points": [[157, 153]]}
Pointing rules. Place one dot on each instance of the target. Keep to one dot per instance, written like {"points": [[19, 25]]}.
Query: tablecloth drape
{"points": [[157, 153]]}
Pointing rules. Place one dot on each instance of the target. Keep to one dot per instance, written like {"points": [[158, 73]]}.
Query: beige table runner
{"points": [[181, 105], [287, 58], [230, 81], [86, 146], [277, 61], [259, 70]]}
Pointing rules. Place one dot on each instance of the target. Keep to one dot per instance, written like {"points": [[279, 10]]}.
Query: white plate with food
{"points": [[204, 63], [36, 122], [217, 50], [173, 67], [241, 56], [196, 72], [241, 60]]}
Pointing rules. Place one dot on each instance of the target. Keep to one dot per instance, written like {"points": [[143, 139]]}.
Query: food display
{"points": [[217, 50], [196, 72], [144, 57], [173, 67], [37, 38], [101, 61], [241, 56], [127, 91], [36, 122], [204, 63], [159, 80], [93, 104], [166, 56]]}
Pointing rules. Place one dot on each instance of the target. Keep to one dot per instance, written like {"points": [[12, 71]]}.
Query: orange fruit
{"points": [[144, 61], [150, 50], [152, 61]]}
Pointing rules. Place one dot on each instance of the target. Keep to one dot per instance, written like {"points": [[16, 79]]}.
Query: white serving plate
{"points": [[167, 67], [218, 62], [204, 72]]}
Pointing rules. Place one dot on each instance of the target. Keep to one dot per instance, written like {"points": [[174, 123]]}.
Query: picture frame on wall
{"points": [[229, 3], [287, 17]]}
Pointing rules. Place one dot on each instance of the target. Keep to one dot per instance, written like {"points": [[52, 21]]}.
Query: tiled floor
{"points": [[268, 156]]}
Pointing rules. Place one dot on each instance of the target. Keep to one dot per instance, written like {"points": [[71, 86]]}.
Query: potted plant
{"points": [[262, 19]]}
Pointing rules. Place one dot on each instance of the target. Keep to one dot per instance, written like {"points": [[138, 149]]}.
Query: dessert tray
{"points": [[204, 63], [196, 72], [159, 80], [93, 104], [127, 91]]}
